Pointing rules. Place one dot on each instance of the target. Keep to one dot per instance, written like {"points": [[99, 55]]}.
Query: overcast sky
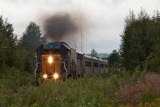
{"points": [[106, 17]]}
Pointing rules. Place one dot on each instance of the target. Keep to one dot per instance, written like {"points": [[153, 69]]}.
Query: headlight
{"points": [[45, 76], [55, 76], [50, 60]]}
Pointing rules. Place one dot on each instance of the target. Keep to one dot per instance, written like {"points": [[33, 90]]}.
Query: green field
{"points": [[18, 89]]}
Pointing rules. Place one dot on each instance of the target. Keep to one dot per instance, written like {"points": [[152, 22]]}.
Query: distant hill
{"points": [[102, 55]]}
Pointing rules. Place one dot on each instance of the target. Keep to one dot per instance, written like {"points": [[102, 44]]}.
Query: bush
{"points": [[18, 89], [148, 97], [16, 76], [142, 90]]}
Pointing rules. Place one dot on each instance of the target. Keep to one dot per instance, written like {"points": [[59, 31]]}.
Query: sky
{"points": [[105, 18]]}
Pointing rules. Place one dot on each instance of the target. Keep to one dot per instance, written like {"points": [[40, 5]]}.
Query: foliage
{"points": [[141, 90], [18, 89], [140, 48], [43, 39], [12, 53], [81, 92], [32, 37], [154, 64], [140, 36], [7, 38], [113, 58], [94, 53], [7, 43]]}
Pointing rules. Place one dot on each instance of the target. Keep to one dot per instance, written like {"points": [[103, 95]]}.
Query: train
{"points": [[57, 60]]}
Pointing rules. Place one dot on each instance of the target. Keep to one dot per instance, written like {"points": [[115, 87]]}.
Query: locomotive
{"points": [[56, 60]]}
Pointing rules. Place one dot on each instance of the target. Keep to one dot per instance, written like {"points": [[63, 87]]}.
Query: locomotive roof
{"points": [[79, 52], [53, 45]]}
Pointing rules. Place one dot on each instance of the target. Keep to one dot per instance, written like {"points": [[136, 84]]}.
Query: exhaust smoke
{"points": [[61, 25]]}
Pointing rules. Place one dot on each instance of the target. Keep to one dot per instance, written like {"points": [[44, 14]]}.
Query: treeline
{"points": [[140, 45], [19, 53]]}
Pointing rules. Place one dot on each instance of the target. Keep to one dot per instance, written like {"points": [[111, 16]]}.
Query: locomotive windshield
{"points": [[50, 52]]}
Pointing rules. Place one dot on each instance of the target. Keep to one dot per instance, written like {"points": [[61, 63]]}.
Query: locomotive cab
{"points": [[52, 61]]}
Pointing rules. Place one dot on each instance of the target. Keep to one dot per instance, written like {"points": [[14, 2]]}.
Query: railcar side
{"points": [[87, 65]]}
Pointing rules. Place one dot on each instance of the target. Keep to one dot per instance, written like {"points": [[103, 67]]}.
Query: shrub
{"points": [[140, 90]]}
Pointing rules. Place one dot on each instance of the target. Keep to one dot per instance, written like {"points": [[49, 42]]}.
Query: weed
{"points": [[18, 89]]}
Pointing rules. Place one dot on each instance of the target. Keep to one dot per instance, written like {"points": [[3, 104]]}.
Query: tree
{"points": [[31, 38], [154, 63], [7, 43], [113, 58], [43, 39], [94, 53], [7, 38], [11, 52], [139, 39]]}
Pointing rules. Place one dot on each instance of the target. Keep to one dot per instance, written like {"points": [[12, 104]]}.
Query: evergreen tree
{"points": [[7, 38], [113, 58], [31, 38], [139, 39], [94, 53], [44, 39], [7, 43]]}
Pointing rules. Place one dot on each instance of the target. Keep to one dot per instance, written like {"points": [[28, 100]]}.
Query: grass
{"points": [[142, 90], [18, 89]]}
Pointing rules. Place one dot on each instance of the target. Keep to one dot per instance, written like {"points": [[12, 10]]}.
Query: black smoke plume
{"points": [[60, 25]]}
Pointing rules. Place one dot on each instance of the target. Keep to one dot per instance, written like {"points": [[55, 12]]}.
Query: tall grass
{"points": [[18, 89], [142, 90]]}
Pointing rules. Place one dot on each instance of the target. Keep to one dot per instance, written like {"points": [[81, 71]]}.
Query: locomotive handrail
{"points": [[65, 67]]}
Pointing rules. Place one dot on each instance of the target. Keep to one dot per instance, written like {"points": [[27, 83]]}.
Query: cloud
{"points": [[106, 17]]}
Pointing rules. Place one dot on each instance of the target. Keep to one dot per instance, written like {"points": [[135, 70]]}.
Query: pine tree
{"points": [[94, 53], [113, 58], [138, 40], [7, 43], [31, 38]]}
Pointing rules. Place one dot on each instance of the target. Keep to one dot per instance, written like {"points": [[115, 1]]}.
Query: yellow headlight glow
{"points": [[50, 60], [45, 76], [55, 76]]}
